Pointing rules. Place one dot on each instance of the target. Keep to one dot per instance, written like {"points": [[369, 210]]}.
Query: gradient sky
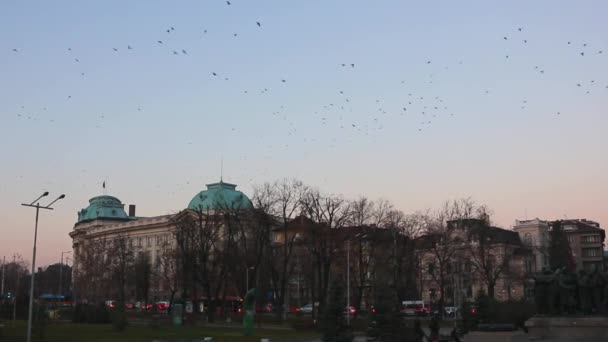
{"points": [[155, 125]]}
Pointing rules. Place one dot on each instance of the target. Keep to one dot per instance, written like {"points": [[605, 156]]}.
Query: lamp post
{"points": [[247, 277], [61, 272], [31, 305], [348, 282]]}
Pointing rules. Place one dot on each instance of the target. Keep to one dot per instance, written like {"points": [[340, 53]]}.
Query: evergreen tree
{"points": [[559, 248], [387, 324], [333, 320]]}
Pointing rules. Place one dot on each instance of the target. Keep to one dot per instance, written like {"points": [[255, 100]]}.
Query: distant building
{"points": [[535, 234], [586, 239], [507, 258], [105, 219]]}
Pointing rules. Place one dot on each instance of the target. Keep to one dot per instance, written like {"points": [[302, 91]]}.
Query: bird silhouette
{"points": [[228, 3], [129, 47], [258, 23], [115, 49], [159, 41], [15, 50], [184, 52]]}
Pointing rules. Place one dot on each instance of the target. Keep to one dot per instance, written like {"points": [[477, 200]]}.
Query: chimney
{"points": [[131, 209]]}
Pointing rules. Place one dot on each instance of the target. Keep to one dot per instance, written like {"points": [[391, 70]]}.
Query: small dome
{"points": [[220, 196], [103, 207]]}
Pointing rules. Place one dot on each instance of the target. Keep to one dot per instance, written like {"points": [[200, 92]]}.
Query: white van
{"points": [[414, 308]]}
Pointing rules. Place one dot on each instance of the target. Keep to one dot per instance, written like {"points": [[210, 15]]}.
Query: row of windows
{"points": [[590, 239], [592, 252], [148, 240]]}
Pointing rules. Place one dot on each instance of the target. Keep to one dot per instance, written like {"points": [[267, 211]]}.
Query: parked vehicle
{"points": [[350, 310], [306, 309], [161, 306], [414, 308], [450, 311], [293, 309]]}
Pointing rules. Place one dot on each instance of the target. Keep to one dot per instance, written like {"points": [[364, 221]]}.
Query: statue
{"points": [[542, 291], [566, 285], [598, 284], [585, 288]]}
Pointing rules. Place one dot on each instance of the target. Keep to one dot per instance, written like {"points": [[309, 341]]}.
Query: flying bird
{"points": [[15, 50], [129, 47], [258, 23], [228, 3], [159, 41], [174, 52], [184, 52], [115, 49]]}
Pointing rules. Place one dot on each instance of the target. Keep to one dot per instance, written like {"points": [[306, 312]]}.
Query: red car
{"points": [[350, 310], [294, 309]]}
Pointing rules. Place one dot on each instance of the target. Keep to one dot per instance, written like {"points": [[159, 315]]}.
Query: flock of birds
{"points": [[424, 107]]}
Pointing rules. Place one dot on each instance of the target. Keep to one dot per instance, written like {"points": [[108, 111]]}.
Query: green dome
{"points": [[103, 207], [220, 196]]}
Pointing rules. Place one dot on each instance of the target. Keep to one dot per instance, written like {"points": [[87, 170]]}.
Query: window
{"points": [[140, 242], [149, 241], [159, 239], [528, 239], [592, 252], [590, 239]]}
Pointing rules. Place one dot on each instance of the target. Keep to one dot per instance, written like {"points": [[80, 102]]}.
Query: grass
{"points": [[66, 332]]}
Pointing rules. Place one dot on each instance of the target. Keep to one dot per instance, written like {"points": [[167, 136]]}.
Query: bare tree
{"points": [[168, 269], [199, 238], [92, 271], [142, 273], [282, 200], [329, 213], [489, 252], [122, 261]]}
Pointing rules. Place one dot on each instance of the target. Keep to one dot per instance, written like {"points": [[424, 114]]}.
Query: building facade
{"points": [[585, 238], [104, 221], [469, 257]]}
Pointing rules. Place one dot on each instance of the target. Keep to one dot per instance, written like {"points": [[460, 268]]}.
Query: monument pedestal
{"points": [[568, 328]]}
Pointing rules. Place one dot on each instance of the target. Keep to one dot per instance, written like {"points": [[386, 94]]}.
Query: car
{"points": [[293, 309], [161, 306], [306, 309], [450, 311], [110, 303], [350, 310], [129, 306]]}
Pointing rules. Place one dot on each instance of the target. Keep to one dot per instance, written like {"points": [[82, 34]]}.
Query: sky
{"points": [[417, 102]]}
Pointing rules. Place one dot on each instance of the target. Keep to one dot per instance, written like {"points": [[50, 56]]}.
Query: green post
{"points": [[176, 314], [248, 309]]}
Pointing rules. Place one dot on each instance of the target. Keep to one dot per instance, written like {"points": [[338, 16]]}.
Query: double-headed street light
{"points": [[38, 207]]}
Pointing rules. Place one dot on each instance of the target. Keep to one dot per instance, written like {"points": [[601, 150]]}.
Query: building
{"points": [[586, 239], [535, 234], [104, 220], [467, 255]]}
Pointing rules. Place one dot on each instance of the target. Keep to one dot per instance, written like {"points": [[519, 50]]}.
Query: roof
{"points": [[103, 207], [220, 196], [576, 226]]}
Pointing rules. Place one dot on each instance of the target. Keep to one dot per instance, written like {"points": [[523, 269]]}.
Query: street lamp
{"points": [[247, 276], [61, 272], [31, 305]]}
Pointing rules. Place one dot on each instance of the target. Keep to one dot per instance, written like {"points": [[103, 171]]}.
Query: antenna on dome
{"points": [[222, 169]]}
